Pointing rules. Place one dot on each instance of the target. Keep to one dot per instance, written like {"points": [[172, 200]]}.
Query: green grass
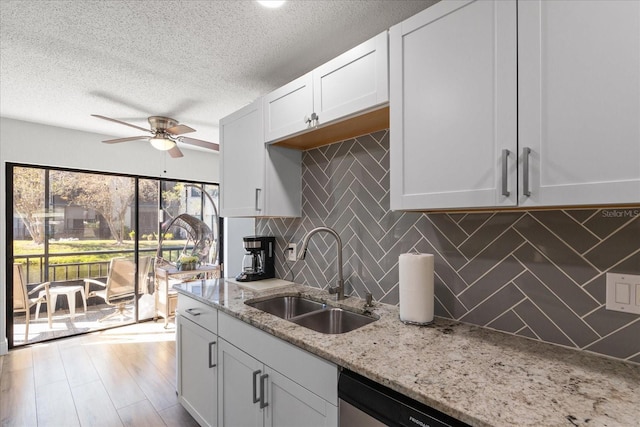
{"points": [[80, 247]]}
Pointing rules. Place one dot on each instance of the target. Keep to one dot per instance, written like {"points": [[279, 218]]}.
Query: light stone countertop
{"points": [[474, 374]]}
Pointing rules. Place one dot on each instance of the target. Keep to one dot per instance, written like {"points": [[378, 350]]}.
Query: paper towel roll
{"points": [[416, 287]]}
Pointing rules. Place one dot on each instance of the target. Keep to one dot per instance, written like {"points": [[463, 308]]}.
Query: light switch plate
{"points": [[622, 292]]}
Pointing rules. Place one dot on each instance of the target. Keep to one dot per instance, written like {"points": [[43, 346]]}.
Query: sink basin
{"points": [[287, 307], [333, 321], [312, 314]]}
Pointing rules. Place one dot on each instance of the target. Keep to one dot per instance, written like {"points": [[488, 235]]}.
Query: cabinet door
{"points": [[242, 162], [285, 109], [237, 387], [453, 107], [579, 101], [291, 405], [197, 371], [355, 81]]}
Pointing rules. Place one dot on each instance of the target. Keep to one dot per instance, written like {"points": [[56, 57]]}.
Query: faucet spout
{"points": [[339, 288]]}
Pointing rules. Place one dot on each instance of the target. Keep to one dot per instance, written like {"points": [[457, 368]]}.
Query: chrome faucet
{"points": [[339, 289]]}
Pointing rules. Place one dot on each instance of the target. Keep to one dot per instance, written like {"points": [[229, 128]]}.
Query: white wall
{"points": [[36, 144]]}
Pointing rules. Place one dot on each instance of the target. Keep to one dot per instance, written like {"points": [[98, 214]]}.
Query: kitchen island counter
{"points": [[477, 375]]}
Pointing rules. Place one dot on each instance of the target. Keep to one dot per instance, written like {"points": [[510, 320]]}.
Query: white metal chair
{"points": [[120, 287], [23, 299]]}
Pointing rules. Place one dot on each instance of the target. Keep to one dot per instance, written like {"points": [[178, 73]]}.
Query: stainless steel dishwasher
{"points": [[365, 403]]}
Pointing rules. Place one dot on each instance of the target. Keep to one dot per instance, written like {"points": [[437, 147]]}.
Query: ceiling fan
{"points": [[165, 134]]}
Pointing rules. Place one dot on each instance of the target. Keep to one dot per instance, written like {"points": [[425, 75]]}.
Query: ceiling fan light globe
{"points": [[162, 144]]}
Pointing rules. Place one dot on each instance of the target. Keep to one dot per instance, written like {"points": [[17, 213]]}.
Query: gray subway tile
{"points": [[630, 265], [494, 280], [605, 321], [494, 307], [527, 333], [472, 221], [623, 343], [578, 299], [448, 299], [442, 269], [580, 215], [597, 288], [606, 221], [440, 243], [491, 255], [555, 249], [371, 147], [540, 325], [507, 322], [616, 246], [574, 234], [451, 229], [556, 310], [489, 231]]}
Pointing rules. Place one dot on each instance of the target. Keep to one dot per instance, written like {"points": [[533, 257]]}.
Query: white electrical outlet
{"points": [[293, 252], [623, 292]]}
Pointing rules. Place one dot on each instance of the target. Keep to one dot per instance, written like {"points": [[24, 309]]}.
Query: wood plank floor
{"points": [[118, 377]]}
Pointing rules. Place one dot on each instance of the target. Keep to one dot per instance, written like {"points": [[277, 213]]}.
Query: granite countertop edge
{"points": [[477, 375]]}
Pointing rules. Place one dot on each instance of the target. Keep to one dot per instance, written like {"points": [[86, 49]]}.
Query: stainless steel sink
{"points": [[287, 307], [311, 314], [333, 321]]}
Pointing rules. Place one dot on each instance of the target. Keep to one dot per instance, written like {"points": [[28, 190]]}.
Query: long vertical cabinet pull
{"points": [[526, 151], [505, 167], [258, 190], [211, 363], [255, 386], [263, 380]]}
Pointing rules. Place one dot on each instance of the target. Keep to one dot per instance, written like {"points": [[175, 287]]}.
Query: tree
{"points": [[28, 200], [111, 196]]}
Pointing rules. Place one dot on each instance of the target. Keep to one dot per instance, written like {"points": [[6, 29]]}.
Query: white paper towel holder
{"points": [[412, 322]]}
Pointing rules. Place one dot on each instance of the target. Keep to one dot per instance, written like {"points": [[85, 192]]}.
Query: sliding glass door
{"points": [[83, 247]]}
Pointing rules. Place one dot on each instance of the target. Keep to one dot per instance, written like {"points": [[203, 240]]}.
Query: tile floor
{"points": [[118, 377]]}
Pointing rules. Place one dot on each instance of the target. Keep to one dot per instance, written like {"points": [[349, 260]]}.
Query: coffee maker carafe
{"points": [[259, 261]]}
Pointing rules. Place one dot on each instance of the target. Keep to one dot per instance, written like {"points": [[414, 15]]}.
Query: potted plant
{"points": [[186, 263]]}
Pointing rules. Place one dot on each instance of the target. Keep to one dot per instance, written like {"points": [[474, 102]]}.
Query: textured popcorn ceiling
{"points": [[195, 61]]}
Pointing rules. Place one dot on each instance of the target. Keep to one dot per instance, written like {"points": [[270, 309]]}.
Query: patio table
{"points": [[70, 293]]}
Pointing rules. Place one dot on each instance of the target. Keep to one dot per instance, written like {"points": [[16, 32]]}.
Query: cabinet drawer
{"points": [[198, 312], [312, 372]]}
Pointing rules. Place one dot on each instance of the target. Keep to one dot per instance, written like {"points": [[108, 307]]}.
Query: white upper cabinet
{"points": [[288, 109], [352, 83], [459, 138], [579, 101], [453, 107], [256, 180]]}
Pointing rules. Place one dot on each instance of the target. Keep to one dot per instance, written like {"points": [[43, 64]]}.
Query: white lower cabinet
{"points": [[197, 372], [264, 381]]}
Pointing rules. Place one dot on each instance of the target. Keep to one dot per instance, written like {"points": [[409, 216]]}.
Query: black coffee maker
{"points": [[259, 261]]}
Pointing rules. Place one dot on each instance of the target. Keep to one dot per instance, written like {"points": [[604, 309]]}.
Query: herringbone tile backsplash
{"points": [[538, 274]]}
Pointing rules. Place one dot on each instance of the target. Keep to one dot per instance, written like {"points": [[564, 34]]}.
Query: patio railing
{"points": [[34, 265]]}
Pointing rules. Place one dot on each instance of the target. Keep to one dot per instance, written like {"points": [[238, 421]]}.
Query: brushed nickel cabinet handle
{"points": [[526, 152], [211, 364], [258, 190], [263, 379], [505, 165], [255, 385]]}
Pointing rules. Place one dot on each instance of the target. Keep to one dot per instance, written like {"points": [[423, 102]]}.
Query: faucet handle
{"points": [[369, 298]]}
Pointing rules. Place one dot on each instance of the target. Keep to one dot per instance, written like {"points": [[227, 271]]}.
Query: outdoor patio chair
{"points": [[23, 300], [119, 291]]}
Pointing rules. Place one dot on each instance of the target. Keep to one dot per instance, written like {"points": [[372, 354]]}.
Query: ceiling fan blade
{"points": [[175, 152], [180, 129], [121, 122], [200, 143], [131, 138]]}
